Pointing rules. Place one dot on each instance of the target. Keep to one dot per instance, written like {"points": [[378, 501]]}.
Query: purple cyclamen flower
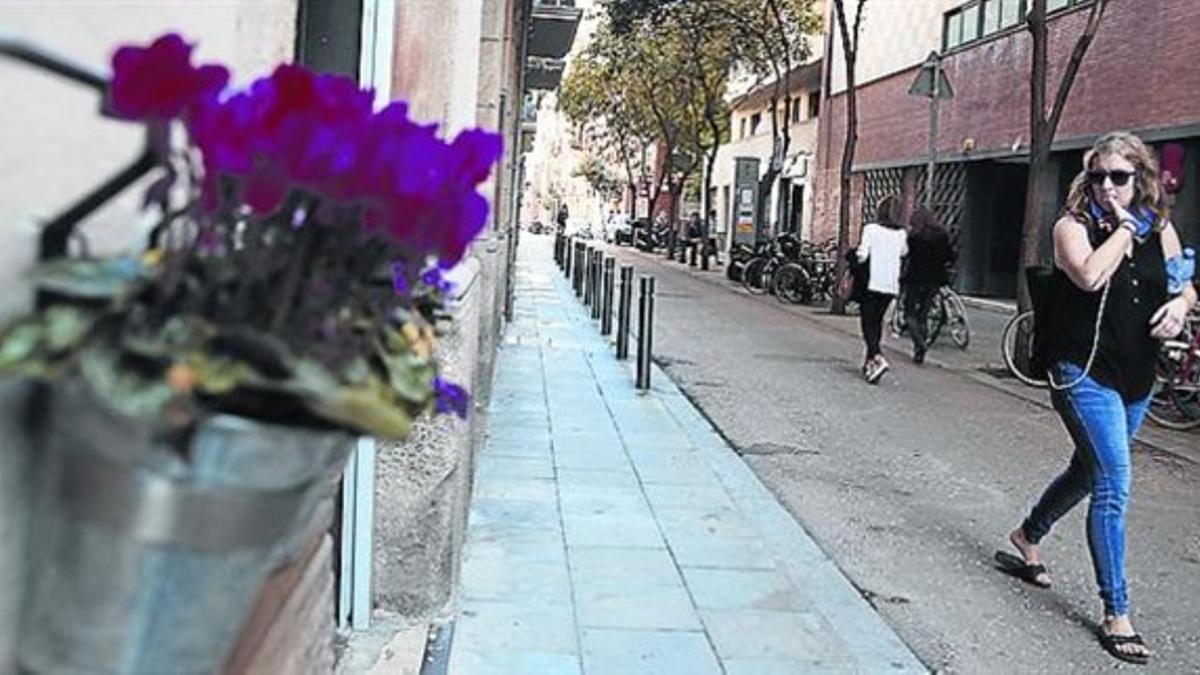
{"points": [[159, 81], [451, 398], [400, 278], [434, 279]]}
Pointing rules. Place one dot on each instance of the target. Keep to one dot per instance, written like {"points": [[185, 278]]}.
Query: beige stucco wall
{"points": [[895, 35], [799, 167], [53, 144], [436, 66], [54, 148]]}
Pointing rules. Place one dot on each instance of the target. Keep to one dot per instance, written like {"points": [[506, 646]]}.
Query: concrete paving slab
{"points": [[614, 531], [634, 652]]}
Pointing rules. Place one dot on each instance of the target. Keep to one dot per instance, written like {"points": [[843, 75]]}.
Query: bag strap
{"points": [[1095, 346]]}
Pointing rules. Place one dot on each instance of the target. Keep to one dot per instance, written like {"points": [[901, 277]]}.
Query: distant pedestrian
{"points": [[882, 245], [926, 270], [1118, 289], [694, 237], [562, 218], [710, 239]]}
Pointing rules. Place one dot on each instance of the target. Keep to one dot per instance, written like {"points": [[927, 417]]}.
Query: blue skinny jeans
{"points": [[1102, 425]]}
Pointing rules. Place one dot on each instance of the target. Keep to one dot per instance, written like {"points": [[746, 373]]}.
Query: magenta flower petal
{"points": [[160, 81]]}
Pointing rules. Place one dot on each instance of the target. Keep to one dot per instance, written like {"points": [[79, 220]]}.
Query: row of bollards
{"points": [[593, 280]]}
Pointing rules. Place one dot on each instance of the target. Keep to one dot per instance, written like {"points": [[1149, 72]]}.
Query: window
{"points": [[980, 18], [742, 134], [991, 16], [1010, 13], [970, 23], [953, 30], [796, 108], [814, 105], [755, 120]]}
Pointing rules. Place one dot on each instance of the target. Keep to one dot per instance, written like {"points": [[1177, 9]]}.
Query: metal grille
{"points": [[949, 200], [877, 184]]}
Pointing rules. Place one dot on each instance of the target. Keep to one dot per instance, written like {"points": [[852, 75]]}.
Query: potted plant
{"points": [[199, 396]]}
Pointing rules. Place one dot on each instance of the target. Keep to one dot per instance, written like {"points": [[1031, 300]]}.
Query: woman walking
{"points": [[882, 246], [929, 259], [1116, 255]]}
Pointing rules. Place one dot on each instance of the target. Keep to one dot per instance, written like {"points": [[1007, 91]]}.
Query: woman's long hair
{"points": [[887, 212], [924, 222], [1148, 192]]}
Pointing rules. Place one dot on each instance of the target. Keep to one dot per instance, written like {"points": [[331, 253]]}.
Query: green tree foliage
{"points": [[765, 39]]}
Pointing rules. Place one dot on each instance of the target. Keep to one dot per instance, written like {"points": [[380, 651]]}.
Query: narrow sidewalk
{"points": [[616, 532]]}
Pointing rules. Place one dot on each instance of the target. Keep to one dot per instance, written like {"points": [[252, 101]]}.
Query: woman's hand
{"points": [[1168, 321]]}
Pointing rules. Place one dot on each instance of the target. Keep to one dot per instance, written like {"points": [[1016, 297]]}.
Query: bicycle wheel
{"points": [[1175, 399], [752, 273], [956, 318], [790, 283], [1016, 346]]}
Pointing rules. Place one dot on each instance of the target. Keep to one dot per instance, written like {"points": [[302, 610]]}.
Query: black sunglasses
{"points": [[1119, 178]]}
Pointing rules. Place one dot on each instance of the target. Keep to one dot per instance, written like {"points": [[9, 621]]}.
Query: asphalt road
{"points": [[911, 486]]}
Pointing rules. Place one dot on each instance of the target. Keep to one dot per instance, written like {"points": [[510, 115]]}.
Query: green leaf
{"points": [[65, 328], [410, 376], [124, 390], [19, 344], [101, 279]]}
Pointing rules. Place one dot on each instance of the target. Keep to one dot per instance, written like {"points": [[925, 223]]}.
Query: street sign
{"points": [[923, 84]]}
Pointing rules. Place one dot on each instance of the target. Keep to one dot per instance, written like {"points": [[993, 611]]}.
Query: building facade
{"points": [[789, 204], [1135, 77], [463, 64]]}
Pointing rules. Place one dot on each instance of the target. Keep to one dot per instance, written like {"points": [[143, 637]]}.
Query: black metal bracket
{"points": [[58, 232]]}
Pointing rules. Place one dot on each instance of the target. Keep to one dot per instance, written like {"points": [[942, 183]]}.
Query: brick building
{"points": [[1137, 76]]}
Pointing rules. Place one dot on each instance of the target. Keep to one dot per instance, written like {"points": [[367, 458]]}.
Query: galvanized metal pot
{"points": [[146, 559]]}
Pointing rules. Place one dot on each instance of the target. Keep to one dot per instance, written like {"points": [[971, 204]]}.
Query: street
{"points": [[913, 485]]}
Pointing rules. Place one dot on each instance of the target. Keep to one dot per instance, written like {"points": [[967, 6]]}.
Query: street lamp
{"points": [[932, 83]]}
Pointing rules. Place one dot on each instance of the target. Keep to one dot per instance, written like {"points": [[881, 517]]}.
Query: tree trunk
{"points": [[843, 234], [1043, 125]]}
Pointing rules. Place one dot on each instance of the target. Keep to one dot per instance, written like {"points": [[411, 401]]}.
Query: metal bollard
{"points": [[566, 258], [624, 304], [587, 276], [607, 298], [580, 255], [645, 331], [598, 294]]}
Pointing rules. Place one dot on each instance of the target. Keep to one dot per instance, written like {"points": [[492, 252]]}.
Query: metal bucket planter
{"points": [[147, 560]]}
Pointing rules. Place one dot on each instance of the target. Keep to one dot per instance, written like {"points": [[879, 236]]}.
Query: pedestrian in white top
{"points": [[882, 245]]}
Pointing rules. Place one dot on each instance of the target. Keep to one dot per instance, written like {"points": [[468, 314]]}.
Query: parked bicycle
{"points": [[947, 311], [1175, 399]]}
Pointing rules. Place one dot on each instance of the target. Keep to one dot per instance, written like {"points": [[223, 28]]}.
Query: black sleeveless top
{"points": [[1126, 353]]}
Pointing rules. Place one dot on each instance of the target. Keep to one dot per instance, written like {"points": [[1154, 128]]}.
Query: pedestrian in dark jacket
{"points": [[929, 259]]}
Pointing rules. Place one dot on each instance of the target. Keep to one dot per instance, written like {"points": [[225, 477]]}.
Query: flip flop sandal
{"points": [[1017, 567], [1111, 644]]}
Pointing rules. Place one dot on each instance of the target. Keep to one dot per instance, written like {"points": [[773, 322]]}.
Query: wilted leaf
{"points": [[362, 408], [217, 375]]}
